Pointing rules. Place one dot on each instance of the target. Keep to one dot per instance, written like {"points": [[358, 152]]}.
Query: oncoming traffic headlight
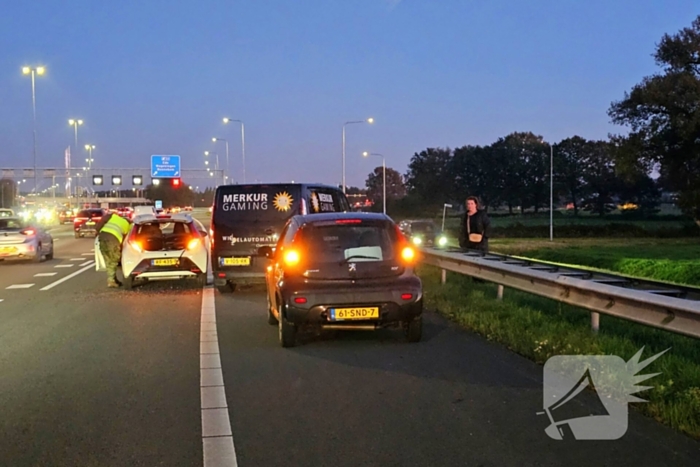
{"points": [[408, 254], [417, 240], [442, 241], [291, 258]]}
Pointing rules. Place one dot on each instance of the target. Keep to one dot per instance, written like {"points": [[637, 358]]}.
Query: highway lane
{"points": [[97, 376]]}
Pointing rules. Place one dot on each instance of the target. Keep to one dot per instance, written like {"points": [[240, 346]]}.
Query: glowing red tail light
{"points": [[300, 300], [406, 296], [28, 232]]}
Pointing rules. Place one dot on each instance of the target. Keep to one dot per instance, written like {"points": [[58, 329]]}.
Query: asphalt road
{"points": [[101, 377]]}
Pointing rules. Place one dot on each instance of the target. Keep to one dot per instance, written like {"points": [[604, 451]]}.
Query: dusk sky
{"points": [[156, 77]]}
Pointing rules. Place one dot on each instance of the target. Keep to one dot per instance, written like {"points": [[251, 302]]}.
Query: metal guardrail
{"points": [[655, 304]]}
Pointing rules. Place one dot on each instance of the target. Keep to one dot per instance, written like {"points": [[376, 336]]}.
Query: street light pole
{"points": [[228, 173], [226, 120], [551, 193], [384, 175], [39, 71], [370, 121]]}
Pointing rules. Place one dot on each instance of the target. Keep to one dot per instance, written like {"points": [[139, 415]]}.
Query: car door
{"points": [[273, 273]]}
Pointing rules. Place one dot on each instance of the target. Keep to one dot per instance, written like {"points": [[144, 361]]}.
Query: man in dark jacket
{"points": [[475, 228]]}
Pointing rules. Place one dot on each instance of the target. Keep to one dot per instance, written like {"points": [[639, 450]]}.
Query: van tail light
{"points": [[291, 258], [28, 232], [302, 207], [192, 244]]}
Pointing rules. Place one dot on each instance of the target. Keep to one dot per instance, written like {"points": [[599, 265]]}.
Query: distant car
{"points": [[86, 220], [343, 271], [66, 216], [423, 233], [7, 213], [187, 208], [126, 212], [21, 240], [163, 247], [174, 210]]}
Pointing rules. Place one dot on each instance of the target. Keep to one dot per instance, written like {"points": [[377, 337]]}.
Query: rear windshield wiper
{"points": [[358, 257]]}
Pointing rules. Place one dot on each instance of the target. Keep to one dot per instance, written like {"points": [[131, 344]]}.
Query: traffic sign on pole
{"points": [[165, 166]]}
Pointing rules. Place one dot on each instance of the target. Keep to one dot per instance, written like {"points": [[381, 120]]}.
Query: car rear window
{"points": [[369, 241], [11, 224], [90, 213]]}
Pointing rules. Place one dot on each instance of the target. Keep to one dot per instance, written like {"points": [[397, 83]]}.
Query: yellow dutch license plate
{"points": [[6, 249], [237, 261], [347, 314], [164, 262], [89, 223]]}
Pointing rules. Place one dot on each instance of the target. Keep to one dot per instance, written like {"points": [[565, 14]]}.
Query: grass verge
{"points": [[539, 328]]}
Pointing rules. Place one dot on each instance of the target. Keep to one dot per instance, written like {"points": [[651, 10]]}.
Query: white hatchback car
{"points": [[160, 247]]}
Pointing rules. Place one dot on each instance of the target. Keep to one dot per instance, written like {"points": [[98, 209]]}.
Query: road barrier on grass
{"points": [[656, 304]]}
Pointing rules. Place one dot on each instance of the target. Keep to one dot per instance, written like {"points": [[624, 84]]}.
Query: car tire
{"points": [[128, 283], [228, 288], [414, 329], [39, 255], [77, 235], [287, 331], [271, 319], [202, 279], [49, 255]]}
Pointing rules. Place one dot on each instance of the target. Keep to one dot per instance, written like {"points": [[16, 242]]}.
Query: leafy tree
{"points": [[569, 156], [475, 174], [353, 190], [601, 183], [395, 188], [7, 193], [640, 189], [663, 113], [428, 175]]}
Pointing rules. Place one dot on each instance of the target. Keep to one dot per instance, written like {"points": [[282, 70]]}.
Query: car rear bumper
{"points": [[18, 251], [393, 309], [185, 268]]}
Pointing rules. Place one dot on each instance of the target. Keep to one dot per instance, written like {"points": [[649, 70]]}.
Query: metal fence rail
{"points": [[663, 306]]}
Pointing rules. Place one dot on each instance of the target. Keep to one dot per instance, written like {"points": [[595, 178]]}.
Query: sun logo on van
{"points": [[283, 201], [314, 202]]}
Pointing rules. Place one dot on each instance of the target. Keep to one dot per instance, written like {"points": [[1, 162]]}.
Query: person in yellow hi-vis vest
{"points": [[112, 229]]}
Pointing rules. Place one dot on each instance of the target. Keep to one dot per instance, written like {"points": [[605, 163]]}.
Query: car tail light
{"points": [[349, 221], [136, 245], [300, 300], [192, 244], [79, 219], [222, 275], [408, 254], [406, 296], [28, 232], [291, 258]]}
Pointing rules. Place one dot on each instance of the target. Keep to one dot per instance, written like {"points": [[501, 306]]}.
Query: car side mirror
{"points": [[265, 251]]}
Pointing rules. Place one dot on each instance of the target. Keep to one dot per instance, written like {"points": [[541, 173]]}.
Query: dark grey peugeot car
{"points": [[343, 271]]}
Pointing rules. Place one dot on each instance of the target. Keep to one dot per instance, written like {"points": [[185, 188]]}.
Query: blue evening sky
{"points": [[156, 77]]}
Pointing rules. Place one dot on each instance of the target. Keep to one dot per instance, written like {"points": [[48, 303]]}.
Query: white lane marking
{"points": [[19, 286], [217, 437], [2, 299], [87, 262], [45, 274], [88, 254], [68, 277], [77, 259], [64, 265]]}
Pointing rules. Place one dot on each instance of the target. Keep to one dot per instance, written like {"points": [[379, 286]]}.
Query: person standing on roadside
{"points": [[475, 228], [112, 229]]}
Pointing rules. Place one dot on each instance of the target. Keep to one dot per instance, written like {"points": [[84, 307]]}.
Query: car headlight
{"points": [[417, 240], [442, 241]]}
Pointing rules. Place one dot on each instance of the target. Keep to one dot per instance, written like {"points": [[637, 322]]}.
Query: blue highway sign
{"points": [[165, 166]]}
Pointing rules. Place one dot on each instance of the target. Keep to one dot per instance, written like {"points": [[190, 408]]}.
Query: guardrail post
{"points": [[443, 277], [500, 292], [595, 321]]}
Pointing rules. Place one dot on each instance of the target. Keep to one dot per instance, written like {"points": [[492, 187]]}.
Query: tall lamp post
{"points": [[39, 70], [551, 192], [370, 121], [227, 176], [365, 154], [226, 120], [89, 160], [75, 123]]}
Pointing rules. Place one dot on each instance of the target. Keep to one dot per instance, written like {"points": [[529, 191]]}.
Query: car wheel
{"points": [[39, 255], [128, 283], [77, 235], [271, 319], [287, 331], [414, 329], [228, 288], [202, 279], [49, 256]]}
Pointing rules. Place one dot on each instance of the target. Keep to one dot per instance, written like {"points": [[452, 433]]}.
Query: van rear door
{"points": [[246, 217]]}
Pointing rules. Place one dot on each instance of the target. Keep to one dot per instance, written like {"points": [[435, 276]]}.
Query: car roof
{"points": [[332, 216]]}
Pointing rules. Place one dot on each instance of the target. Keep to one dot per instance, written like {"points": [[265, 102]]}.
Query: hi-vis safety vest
{"points": [[117, 226]]}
